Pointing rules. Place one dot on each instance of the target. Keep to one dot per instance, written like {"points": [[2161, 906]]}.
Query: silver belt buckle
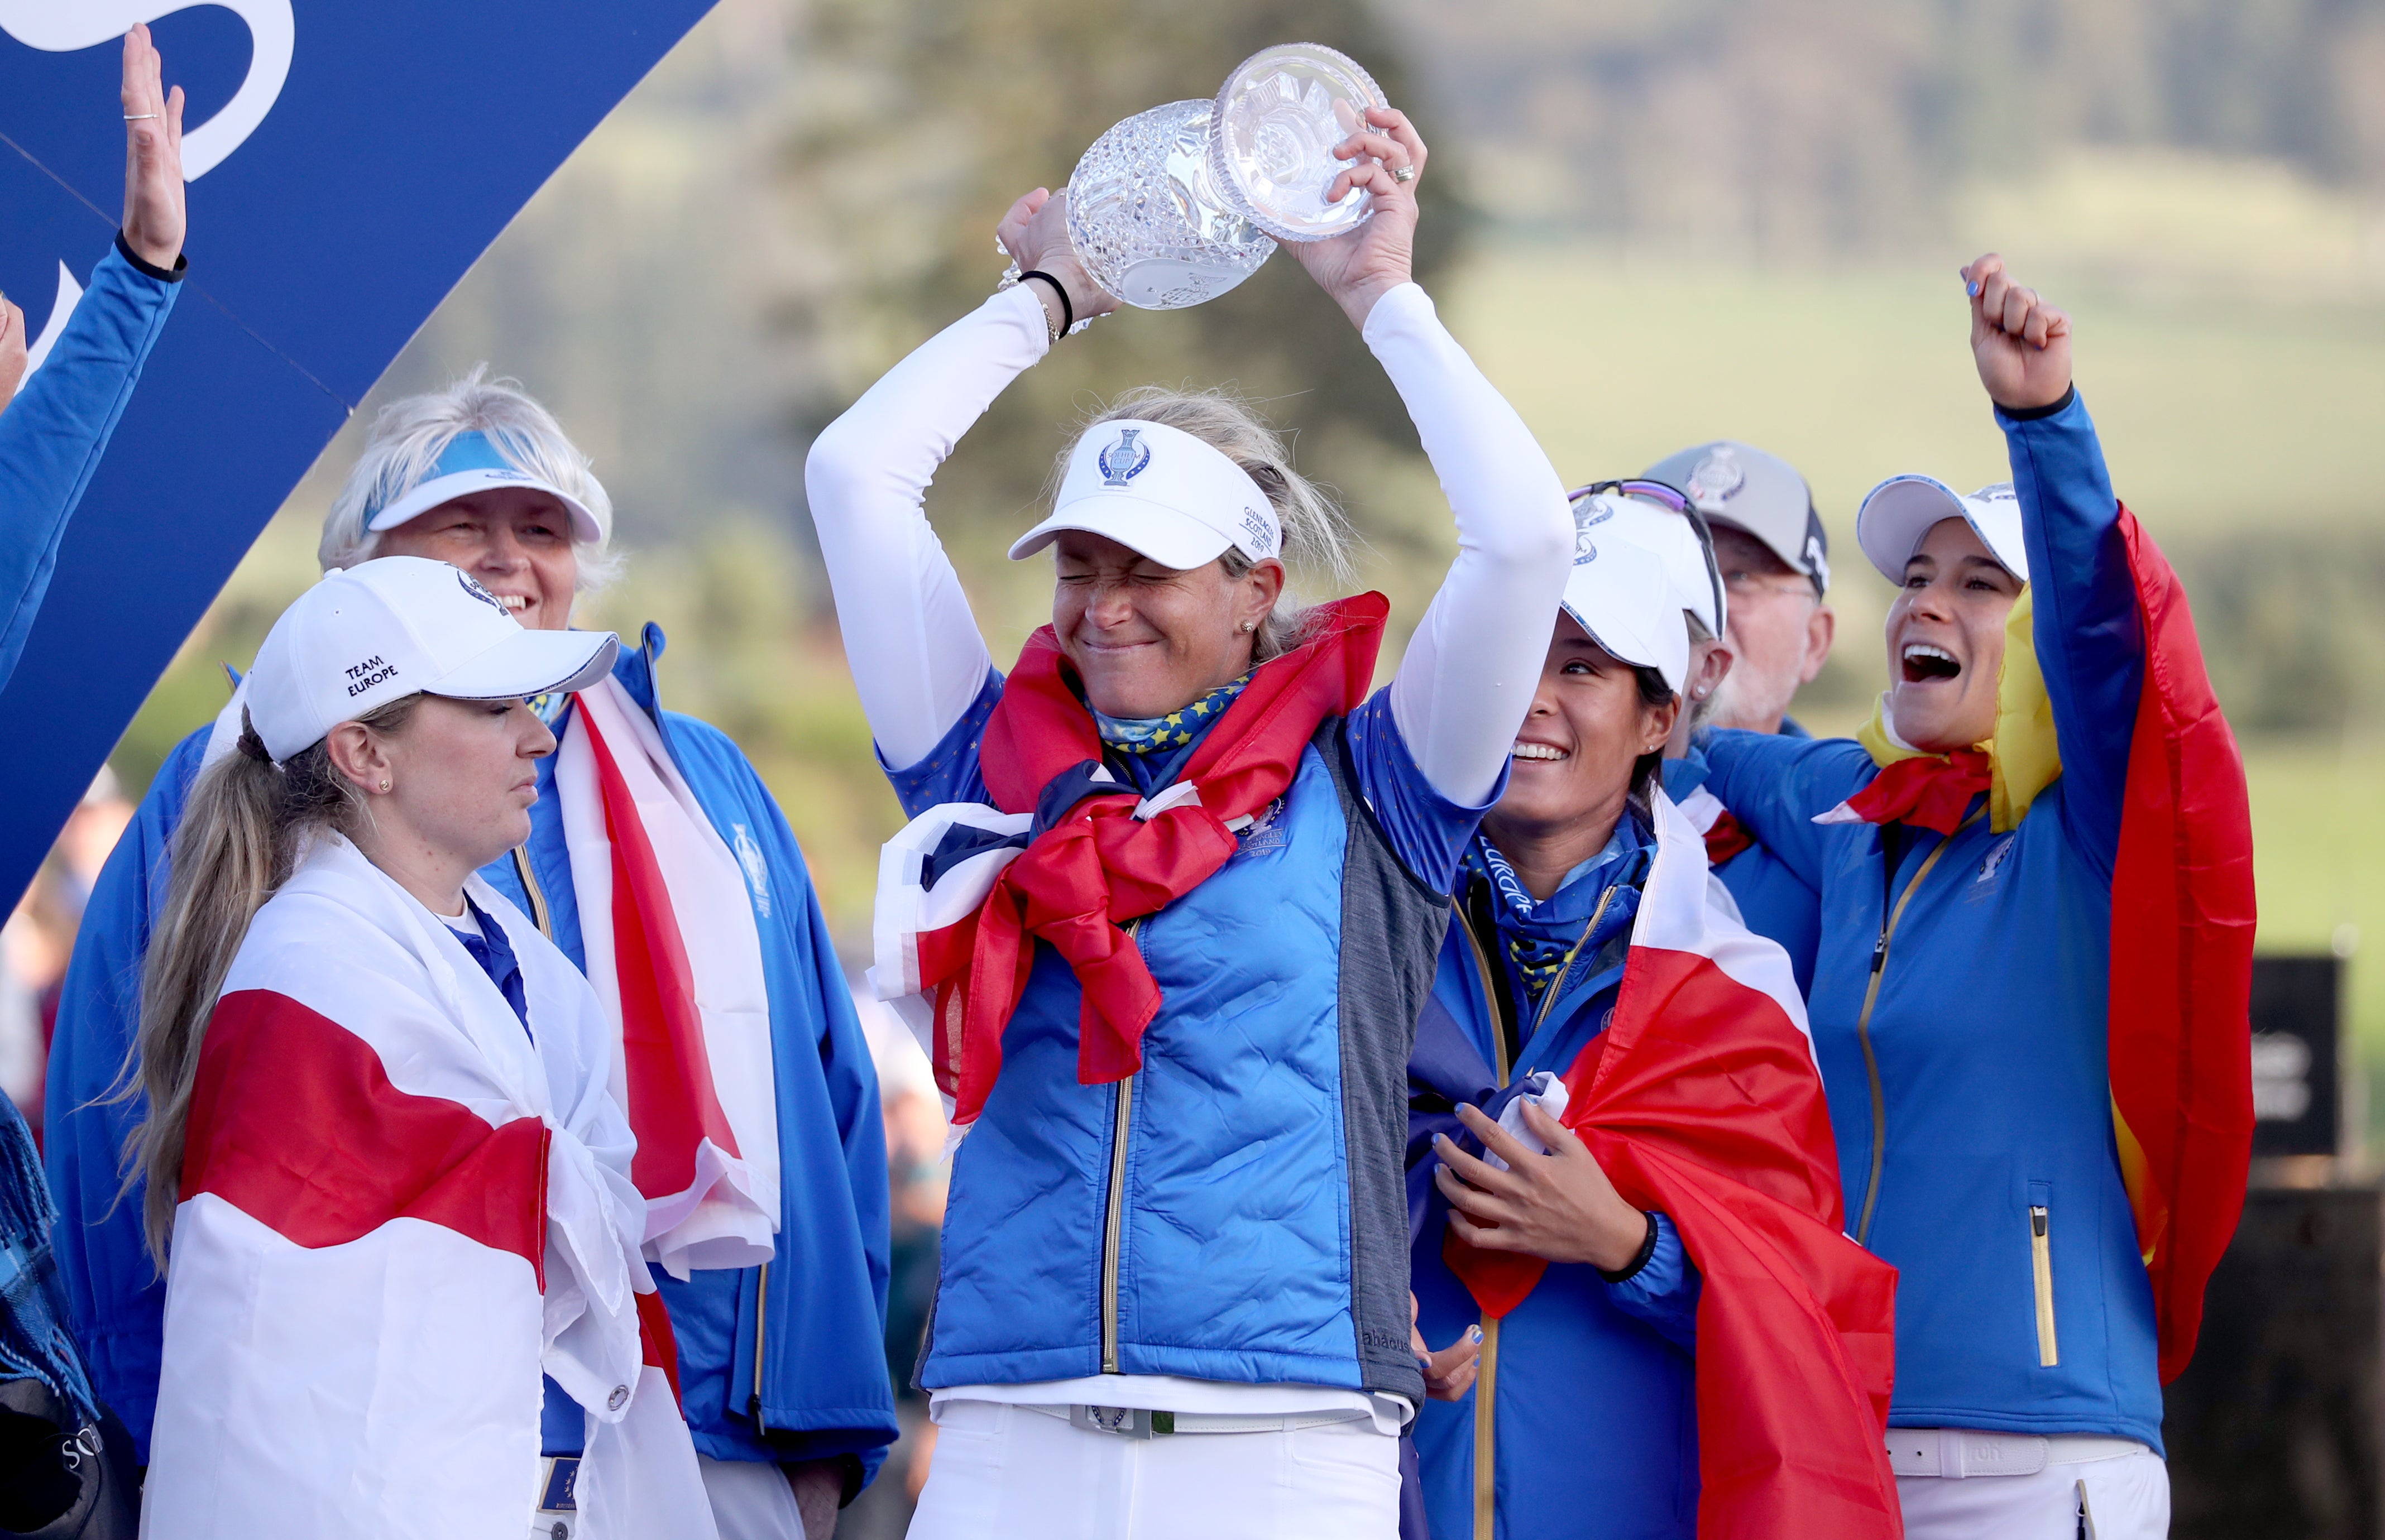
{"points": [[1122, 1421]]}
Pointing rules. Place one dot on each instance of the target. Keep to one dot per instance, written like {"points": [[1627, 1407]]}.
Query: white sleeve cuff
{"points": [[1404, 312]]}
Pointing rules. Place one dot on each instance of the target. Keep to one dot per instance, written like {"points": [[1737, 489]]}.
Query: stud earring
{"points": [[1250, 625], [385, 784]]}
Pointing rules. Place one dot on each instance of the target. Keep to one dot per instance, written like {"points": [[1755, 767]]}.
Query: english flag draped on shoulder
{"points": [[676, 960], [347, 164], [1702, 1100], [397, 1211]]}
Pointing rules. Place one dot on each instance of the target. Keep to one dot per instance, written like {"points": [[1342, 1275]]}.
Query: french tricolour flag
{"points": [[1702, 1100]]}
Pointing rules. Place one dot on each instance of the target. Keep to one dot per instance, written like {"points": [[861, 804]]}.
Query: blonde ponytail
{"points": [[242, 831]]}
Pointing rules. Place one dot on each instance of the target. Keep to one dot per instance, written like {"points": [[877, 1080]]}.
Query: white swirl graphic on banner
{"points": [[70, 26]]}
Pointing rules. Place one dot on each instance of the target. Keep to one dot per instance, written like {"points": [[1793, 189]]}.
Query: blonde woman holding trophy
{"points": [[1175, 884]]}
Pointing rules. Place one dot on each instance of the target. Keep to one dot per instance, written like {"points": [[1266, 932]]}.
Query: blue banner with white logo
{"points": [[347, 161]]}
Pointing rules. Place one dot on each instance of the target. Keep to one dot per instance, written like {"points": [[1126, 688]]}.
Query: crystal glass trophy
{"points": [[1271, 138], [1178, 204], [1147, 218]]}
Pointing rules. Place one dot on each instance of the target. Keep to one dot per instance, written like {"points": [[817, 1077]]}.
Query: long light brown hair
{"points": [[242, 831]]}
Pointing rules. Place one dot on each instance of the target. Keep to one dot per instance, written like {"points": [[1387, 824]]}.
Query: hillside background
{"points": [[1652, 223]]}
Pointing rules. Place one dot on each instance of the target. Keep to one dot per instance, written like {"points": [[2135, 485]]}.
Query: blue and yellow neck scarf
{"points": [[1160, 734]]}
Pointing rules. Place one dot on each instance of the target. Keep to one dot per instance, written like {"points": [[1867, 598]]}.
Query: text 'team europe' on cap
{"points": [[391, 627]]}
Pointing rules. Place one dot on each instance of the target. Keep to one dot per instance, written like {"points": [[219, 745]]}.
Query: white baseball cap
{"points": [[387, 628], [1619, 593], [473, 462], [1656, 519], [1160, 492], [1898, 515]]}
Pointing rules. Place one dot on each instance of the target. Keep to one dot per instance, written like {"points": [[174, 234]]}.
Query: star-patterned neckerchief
{"points": [[1540, 934], [1161, 735]]}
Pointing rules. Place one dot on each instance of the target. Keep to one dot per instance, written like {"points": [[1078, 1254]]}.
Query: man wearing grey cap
{"points": [[1776, 566]]}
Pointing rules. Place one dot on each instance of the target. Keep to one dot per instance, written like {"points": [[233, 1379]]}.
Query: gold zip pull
{"points": [[2041, 1267]]}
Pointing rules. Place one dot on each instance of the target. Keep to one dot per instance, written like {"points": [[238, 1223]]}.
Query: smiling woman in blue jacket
{"points": [[659, 864], [1614, 1113], [1965, 851], [1176, 881]]}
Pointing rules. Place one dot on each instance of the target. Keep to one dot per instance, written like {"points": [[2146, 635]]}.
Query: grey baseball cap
{"points": [[1741, 486]]}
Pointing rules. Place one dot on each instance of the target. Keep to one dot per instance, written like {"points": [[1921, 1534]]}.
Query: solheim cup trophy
{"points": [[1178, 204]]}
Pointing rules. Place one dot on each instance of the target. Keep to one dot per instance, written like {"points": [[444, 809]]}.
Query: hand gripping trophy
{"points": [[1180, 203]]}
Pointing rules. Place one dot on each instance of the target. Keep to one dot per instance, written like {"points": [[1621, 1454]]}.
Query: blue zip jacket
{"points": [[1594, 1408], [53, 434], [782, 1363], [1988, 1029], [1775, 901], [1233, 1212]]}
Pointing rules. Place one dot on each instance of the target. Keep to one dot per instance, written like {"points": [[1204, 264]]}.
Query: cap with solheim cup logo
{"points": [[402, 626], [1621, 594], [474, 461], [1662, 522], [1743, 488], [1162, 494]]}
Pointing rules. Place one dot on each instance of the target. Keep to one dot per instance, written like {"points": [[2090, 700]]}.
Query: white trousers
{"points": [[751, 1499], [1002, 1471], [2124, 1497]]}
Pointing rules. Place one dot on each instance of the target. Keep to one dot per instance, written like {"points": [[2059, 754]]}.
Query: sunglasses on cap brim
{"points": [[1654, 491], [1677, 500]]}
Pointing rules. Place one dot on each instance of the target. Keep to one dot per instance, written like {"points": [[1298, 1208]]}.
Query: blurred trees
{"points": [[917, 122], [1779, 127]]}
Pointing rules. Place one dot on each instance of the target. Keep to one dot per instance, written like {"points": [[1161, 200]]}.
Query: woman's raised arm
{"points": [[1476, 657], [1474, 661], [917, 659]]}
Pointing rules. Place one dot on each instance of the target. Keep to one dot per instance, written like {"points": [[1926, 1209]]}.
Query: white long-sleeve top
{"points": [[919, 662]]}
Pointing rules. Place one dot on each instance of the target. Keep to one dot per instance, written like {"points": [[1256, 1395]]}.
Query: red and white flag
{"points": [[676, 958], [1702, 1100], [397, 1212]]}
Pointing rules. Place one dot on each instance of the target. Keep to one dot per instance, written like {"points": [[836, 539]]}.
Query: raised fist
{"points": [[2021, 344]]}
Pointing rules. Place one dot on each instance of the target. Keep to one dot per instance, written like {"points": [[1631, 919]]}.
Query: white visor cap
{"points": [[1670, 537], [1898, 515], [387, 628], [1619, 593], [473, 462], [1162, 494]]}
